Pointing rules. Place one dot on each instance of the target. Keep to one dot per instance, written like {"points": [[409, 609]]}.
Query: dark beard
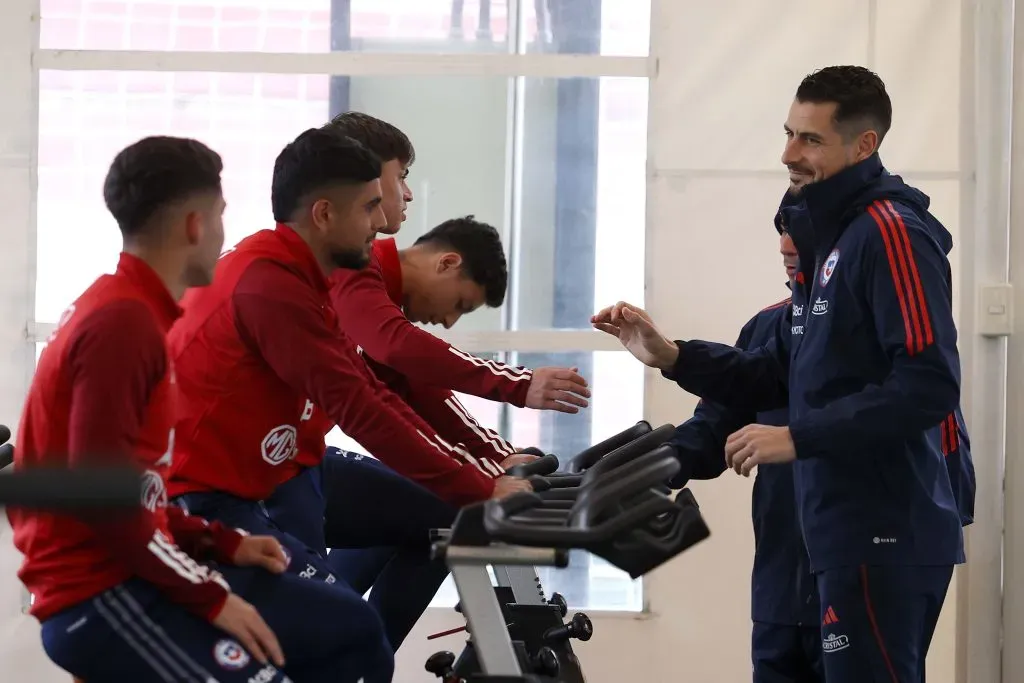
{"points": [[350, 259]]}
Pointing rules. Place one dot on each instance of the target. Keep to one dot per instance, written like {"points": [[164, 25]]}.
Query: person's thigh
{"points": [[327, 631], [877, 628], [360, 567], [369, 505], [250, 516], [132, 633], [778, 655], [297, 507]]}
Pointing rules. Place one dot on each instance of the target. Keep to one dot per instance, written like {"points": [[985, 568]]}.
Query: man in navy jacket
{"points": [[869, 367], [785, 645]]}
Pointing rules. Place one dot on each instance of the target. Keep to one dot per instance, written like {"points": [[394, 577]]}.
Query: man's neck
{"points": [[327, 266], [168, 267]]}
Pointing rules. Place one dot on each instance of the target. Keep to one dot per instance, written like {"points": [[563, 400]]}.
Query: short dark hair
{"points": [[859, 94], [318, 158], [154, 172], [384, 139], [479, 245]]}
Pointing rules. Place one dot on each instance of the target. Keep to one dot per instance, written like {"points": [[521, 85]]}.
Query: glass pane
{"points": [[611, 27], [457, 124], [582, 204]]}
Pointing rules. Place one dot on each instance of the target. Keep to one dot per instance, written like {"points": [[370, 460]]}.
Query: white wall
{"points": [[726, 73]]}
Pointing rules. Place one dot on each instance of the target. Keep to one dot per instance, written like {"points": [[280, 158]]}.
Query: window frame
{"points": [[514, 65]]}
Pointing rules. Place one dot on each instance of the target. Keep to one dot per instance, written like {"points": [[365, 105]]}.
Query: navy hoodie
{"points": [[782, 587], [870, 367]]}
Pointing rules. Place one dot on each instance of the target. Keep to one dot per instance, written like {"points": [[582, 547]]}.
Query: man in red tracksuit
{"points": [[328, 498], [127, 596], [263, 369], [455, 267]]}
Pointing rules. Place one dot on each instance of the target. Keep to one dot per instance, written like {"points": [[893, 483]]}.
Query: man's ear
{"points": [[194, 227], [449, 261]]}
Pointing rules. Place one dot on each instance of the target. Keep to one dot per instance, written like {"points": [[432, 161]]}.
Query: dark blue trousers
{"points": [[377, 525], [346, 614], [877, 622], [133, 633], [786, 654]]}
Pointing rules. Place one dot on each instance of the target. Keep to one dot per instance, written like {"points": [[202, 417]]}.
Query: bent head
{"points": [[790, 257], [396, 153], [165, 194], [839, 118], [327, 187], [457, 267]]}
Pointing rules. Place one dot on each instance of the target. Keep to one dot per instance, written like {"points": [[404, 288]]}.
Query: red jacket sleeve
{"points": [[283, 317], [441, 409], [371, 319], [117, 357], [201, 539]]}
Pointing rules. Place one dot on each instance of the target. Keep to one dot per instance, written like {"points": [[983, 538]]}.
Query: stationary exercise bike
{"points": [[532, 627]]}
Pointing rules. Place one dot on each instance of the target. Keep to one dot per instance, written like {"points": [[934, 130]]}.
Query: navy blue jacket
{"points": [[870, 366], [782, 586]]}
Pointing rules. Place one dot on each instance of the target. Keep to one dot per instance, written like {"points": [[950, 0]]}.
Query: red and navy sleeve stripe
{"points": [[778, 304], [950, 435], [916, 321]]}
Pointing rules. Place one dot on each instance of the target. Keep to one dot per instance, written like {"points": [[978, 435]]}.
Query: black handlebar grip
{"points": [[5, 433], [6, 455], [546, 464], [532, 450], [587, 457]]}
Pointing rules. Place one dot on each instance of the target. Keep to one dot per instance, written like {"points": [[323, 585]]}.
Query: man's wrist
{"points": [[667, 357]]}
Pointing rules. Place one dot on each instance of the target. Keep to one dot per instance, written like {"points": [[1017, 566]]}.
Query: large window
{"points": [[555, 158]]}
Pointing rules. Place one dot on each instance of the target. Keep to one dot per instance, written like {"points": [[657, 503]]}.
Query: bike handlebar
{"points": [[5, 434], [546, 464], [585, 524], [587, 457], [628, 452]]}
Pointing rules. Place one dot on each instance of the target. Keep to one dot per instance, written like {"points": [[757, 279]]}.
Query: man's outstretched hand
{"points": [[635, 330], [561, 389]]}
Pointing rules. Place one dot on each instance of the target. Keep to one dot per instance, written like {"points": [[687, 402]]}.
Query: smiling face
{"points": [[816, 149]]}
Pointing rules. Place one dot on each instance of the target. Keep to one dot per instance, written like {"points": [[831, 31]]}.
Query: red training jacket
{"points": [[104, 393], [375, 322], [434, 403], [261, 367]]}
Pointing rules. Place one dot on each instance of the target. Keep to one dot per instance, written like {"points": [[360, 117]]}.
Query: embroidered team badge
{"points": [[230, 655], [829, 267]]}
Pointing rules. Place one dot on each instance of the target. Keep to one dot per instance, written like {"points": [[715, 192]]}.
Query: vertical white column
{"points": [[985, 139]]}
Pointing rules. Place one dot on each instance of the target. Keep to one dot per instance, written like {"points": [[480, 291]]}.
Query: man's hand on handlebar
{"points": [[561, 389], [635, 330], [509, 486], [518, 459]]}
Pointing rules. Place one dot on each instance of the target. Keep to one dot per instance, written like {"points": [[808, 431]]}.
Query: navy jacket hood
{"points": [[847, 194]]}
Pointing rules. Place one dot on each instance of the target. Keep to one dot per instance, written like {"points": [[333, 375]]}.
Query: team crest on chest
{"points": [[829, 267]]}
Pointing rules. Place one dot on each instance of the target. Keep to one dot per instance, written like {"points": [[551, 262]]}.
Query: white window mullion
{"points": [[351, 63], [521, 341]]}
